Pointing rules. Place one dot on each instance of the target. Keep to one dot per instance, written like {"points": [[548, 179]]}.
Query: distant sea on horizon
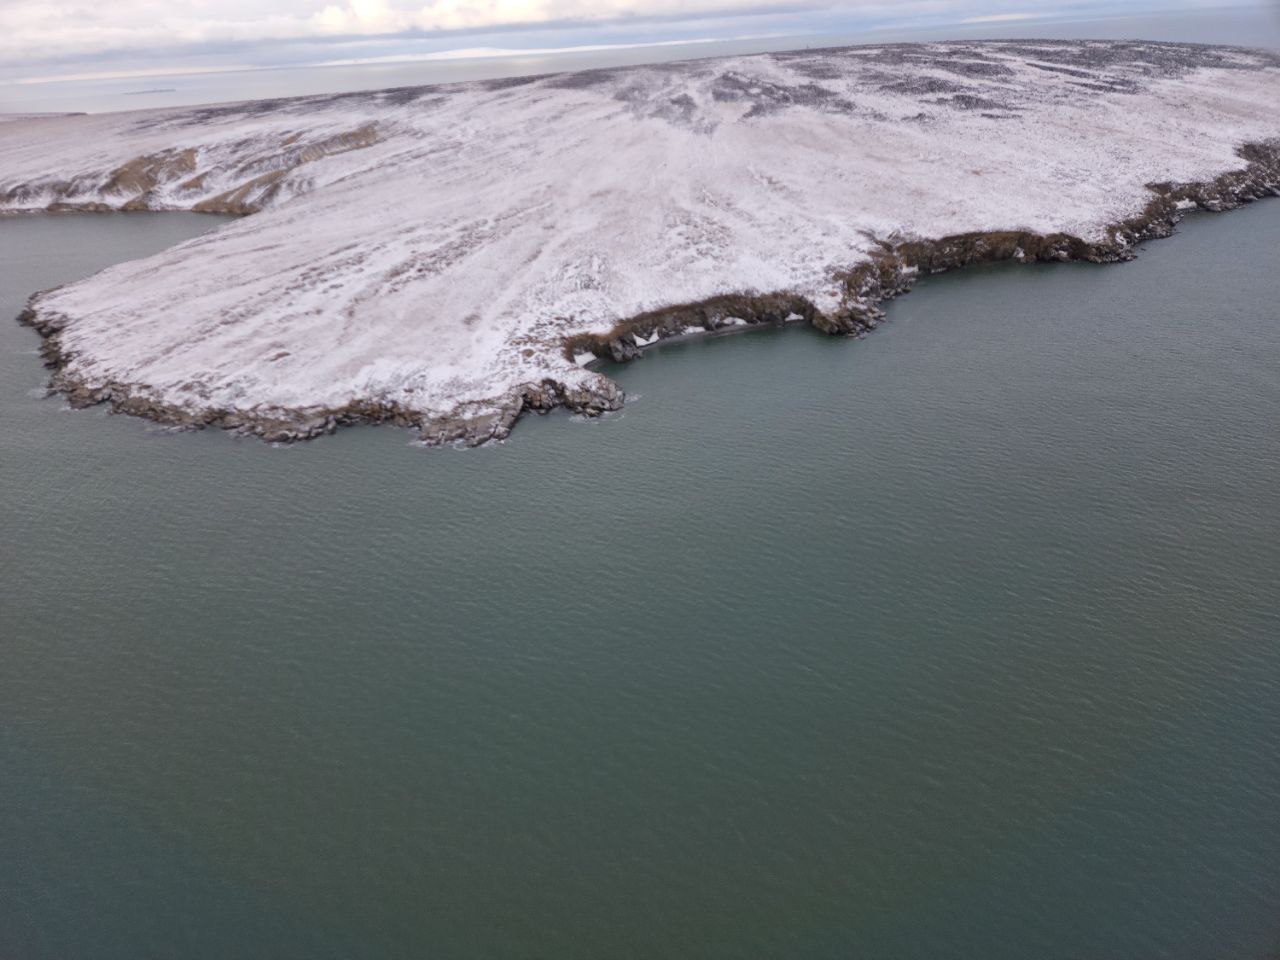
{"points": [[1255, 26]]}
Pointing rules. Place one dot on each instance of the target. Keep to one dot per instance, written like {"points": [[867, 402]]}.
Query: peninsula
{"points": [[447, 257]]}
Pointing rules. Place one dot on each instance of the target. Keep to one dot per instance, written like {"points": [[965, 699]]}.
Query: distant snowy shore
{"points": [[447, 257]]}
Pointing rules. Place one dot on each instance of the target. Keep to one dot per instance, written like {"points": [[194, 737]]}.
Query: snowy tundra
{"points": [[447, 256]]}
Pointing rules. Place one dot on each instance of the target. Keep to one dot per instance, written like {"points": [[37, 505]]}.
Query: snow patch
{"points": [[430, 250]]}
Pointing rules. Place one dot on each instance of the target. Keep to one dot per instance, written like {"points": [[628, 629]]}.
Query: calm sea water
{"points": [[962, 640]]}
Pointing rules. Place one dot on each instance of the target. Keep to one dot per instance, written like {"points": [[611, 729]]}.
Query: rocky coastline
{"points": [[446, 258], [888, 274]]}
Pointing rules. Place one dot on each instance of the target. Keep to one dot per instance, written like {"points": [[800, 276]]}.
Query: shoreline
{"points": [[897, 267], [560, 216], [866, 285]]}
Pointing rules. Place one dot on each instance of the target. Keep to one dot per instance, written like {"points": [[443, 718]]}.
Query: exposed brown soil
{"points": [[258, 183]]}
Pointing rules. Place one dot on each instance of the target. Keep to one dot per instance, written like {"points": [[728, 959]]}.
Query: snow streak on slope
{"points": [[438, 255]]}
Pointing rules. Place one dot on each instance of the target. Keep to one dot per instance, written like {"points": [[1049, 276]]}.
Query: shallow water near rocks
{"points": [[959, 640]]}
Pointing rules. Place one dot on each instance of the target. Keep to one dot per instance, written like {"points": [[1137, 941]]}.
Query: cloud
{"points": [[488, 53], [1004, 17], [68, 31], [49, 29]]}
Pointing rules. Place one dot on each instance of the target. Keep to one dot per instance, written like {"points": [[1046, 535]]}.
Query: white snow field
{"points": [[423, 254]]}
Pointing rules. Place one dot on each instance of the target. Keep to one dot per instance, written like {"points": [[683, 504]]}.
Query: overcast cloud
{"points": [[37, 37]]}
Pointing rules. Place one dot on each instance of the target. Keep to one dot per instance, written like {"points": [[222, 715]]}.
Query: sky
{"points": [[52, 42]]}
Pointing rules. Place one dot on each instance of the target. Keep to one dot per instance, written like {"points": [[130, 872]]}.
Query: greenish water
{"points": [[962, 640]]}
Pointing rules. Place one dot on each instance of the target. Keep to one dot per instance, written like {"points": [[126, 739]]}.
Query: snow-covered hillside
{"points": [[447, 256]]}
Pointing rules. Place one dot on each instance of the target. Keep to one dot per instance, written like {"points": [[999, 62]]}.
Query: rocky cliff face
{"points": [[448, 257]]}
